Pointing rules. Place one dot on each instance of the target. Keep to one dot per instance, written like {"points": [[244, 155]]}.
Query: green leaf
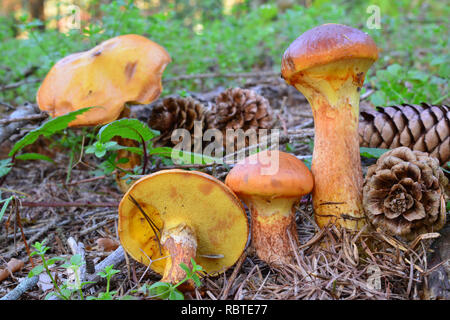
{"points": [[76, 259], [196, 280], [394, 69], [5, 166], [186, 157], [36, 271], [126, 128], [378, 98], [5, 205], [47, 129], [160, 289], [34, 156], [372, 152], [185, 268], [176, 295], [53, 260], [50, 294]]}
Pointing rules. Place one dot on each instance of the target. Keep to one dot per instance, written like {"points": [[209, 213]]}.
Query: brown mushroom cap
{"points": [[123, 69], [325, 44], [292, 179]]}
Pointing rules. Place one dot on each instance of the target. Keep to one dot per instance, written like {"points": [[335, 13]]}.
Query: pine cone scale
{"points": [[238, 108], [175, 113], [422, 127]]}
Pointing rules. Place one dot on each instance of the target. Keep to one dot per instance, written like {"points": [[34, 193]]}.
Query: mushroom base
{"points": [[181, 244], [333, 93], [273, 229]]}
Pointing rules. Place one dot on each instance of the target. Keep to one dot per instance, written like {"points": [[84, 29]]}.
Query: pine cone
{"points": [[175, 113], [403, 193], [419, 127], [238, 108]]}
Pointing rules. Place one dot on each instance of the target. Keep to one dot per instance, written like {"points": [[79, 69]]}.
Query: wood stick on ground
{"points": [[41, 116], [8, 130], [116, 258], [88, 180], [23, 287], [24, 239], [77, 248], [95, 227], [68, 204], [39, 234]]}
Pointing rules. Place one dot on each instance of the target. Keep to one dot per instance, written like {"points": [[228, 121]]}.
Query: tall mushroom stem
{"points": [[333, 93], [181, 243], [272, 219]]}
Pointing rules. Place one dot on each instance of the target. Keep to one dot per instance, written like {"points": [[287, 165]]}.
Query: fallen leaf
{"points": [[106, 244], [44, 283], [13, 265]]}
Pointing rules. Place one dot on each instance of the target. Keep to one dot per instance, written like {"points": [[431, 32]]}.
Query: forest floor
{"points": [[330, 264]]}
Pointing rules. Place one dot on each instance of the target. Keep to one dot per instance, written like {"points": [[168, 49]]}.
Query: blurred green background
{"points": [[227, 36]]}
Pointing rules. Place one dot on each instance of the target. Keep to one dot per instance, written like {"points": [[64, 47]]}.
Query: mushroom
{"points": [[271, 198], [328, 65], [123, 69], [168, 217]]}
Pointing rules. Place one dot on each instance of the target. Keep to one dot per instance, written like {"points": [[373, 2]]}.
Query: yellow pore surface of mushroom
{"points": [[328, 65], [193, 210], [126, 68]]}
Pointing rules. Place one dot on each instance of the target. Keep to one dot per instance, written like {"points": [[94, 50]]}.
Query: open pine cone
{"points": [[404, 193], [419, 127], [175, 113], [238, 108]]}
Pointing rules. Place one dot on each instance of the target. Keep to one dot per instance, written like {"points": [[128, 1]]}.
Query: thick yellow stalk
{"points": [[333, 93]]}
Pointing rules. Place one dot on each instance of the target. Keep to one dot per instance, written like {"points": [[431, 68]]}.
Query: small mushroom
{"points": [[171, 216], [123, 69], [271, 198], [328, 65]]}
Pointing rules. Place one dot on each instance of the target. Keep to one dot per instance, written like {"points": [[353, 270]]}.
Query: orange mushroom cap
{"points": [[123, 69], [324, 44], [292, 179]]}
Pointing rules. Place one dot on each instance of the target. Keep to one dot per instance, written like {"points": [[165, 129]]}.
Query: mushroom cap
{"points": [[324, 44], [292, 179], [172, 197], [126, 68]]}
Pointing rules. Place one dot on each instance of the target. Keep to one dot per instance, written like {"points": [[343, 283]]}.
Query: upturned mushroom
{"points": [[271, 183], [328, 65], [171, 216], [121, 70]]}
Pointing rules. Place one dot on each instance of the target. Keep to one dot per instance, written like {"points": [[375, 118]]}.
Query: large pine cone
{"points": [[238, 108], [175, 113], [404, 193], [419, 127]]}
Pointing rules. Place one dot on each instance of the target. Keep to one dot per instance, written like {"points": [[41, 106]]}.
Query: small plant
{"points": [[107, 274], [69, 290], [40, 250], [164, 290]]}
